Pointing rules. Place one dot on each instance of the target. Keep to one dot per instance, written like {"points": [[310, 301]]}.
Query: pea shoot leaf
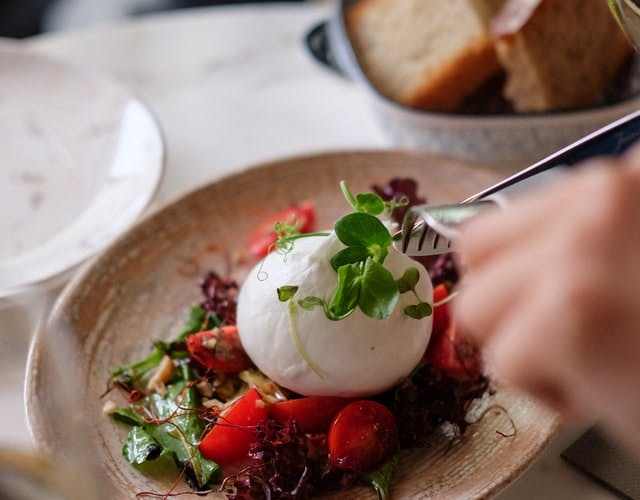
{"points": [[379, 293], [349, 255], [346, 298], [418, 311], [369, 203], [364, 230], [286, 292], [308, 303], [408, 280]]}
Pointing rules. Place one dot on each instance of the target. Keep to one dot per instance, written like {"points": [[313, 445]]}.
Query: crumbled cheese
{"points": [[109, 407], [205, 389], [163, 374]]}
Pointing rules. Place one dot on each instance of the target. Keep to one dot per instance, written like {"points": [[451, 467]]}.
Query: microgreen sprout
{"points": [[371, 203], [286, 294], [407, 283], [286, 235], [391, 205], [363, 280]]}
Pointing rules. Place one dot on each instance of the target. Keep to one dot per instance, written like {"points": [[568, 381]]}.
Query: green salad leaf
{"points": [[140, 447], [175, 429], [380, 478], [132, 373], [127, 416]]}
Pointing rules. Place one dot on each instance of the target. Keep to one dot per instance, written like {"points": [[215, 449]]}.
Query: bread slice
{"points": [[428, 54], [558, 54]]}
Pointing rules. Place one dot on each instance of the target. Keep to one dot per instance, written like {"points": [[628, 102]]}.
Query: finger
{"points": [[486, 235], [531, 350], [491, 290], [631, 157]]}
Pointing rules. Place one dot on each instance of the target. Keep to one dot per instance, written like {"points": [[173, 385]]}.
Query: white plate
{"points": [[80, 160]]}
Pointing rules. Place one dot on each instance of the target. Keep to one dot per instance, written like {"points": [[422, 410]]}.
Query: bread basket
{"points": [[512, 140]]}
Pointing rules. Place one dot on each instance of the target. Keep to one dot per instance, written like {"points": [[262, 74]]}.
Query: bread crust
{"points": [[440, 89], [558, 54], [457, 79]]}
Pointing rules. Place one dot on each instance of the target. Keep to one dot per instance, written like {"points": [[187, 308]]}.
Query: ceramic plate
{"points": [[140, 288], [81, 159]]}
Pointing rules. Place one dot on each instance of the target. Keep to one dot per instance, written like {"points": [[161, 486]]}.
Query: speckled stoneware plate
{"points": [[81, 159], [140, 287]]}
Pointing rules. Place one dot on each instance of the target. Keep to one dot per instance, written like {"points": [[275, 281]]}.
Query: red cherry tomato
{"points": [[229, 439], [264, 236], [363, 435], [440, 313], [452, 354], [218, 350], [313, 414]]}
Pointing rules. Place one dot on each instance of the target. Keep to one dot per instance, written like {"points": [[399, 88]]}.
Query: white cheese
{"points": [[356, 356]]}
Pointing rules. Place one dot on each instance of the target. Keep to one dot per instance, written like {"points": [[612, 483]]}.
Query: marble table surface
{"points": [[232, 86]]}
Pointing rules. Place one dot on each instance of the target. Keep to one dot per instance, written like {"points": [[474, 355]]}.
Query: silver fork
{"points": [[431, 229]]}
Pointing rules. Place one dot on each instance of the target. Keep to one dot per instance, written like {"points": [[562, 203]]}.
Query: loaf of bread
{"points": [[428, 54], [558, 54]]}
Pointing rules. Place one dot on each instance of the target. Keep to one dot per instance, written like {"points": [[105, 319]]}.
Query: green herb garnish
{"points": [[407, 283], [286, 293], [363, 281]]}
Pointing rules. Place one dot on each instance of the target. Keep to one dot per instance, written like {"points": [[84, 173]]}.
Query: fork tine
{"points": [[408, 229], [423, 236], [428, 230]]}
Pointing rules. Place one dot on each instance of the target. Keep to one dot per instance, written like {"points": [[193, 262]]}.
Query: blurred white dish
{"points": [[80, 160]]}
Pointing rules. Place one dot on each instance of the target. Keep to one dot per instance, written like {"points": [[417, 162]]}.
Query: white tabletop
{"points": [[233, 86]]}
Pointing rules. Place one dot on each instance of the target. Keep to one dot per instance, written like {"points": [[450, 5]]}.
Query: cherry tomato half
{"points": [[229, 439], [264, 236], [363, 435], [313, 414], [452, 354], [218, 350], [440, 313]]}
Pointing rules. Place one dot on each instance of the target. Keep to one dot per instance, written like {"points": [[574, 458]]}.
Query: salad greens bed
{"points": [[197, 406]]}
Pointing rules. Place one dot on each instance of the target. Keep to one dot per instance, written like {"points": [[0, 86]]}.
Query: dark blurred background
{"points": [[22, 18]]}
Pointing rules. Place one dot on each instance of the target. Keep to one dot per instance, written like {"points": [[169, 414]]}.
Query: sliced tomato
{"points": [[440, 313], [218, 350], [228, 441], [452, 354], [363, 435], [313, 414], [263, 237]]}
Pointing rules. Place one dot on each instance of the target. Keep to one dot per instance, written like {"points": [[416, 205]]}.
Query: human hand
{"points": [[551, 291]]}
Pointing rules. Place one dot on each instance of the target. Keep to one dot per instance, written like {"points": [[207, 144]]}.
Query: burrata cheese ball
{"points": [[353, 357]]}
